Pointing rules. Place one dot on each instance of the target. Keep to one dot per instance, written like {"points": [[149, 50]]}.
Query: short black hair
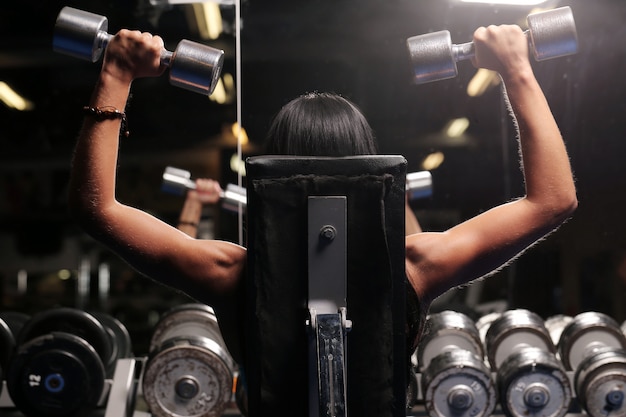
{"points": [[320, 124]]}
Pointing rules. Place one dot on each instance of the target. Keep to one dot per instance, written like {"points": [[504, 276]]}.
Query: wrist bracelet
{"points": [[108, 113], [183, 223]]}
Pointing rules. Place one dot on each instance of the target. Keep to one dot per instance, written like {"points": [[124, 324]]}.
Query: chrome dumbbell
{"points": [[593, 346], [455, 379], [529, 377], [189, 370], [192, 66], [550, 34], [177, 181]]}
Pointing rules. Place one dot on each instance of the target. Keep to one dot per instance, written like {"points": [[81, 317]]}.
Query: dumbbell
{"points": [[555, 325], [177, 181], [189, 371], [593, 346], [61, 363], [455, 379], [550, 34], [192, 66], [530, 380]]}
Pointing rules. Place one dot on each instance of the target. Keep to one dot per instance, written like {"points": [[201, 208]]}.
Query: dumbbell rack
{"points": [[122, 396], [419, 409]]}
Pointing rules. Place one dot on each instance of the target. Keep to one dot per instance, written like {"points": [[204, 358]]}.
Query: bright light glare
{"points": [[433, 161], [240, 134], [481, 81], [237, 165], [509, 2], [457, 127], [12, 99]]}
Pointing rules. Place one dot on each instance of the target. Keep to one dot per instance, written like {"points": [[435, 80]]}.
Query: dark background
{"points": [[355, 48]]}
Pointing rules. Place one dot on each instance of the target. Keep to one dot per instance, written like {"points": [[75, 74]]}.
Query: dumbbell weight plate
{"points": [[184, 378], [76, 31], [587, 332], [7, 347], [72, 321], [552, 33], [121, 345], [458, 383], [513, 330], [192, 319], [448, 330], [56, 374], [432, 57], [555, 325], [484, 322], [600, 382], [533, 382]]}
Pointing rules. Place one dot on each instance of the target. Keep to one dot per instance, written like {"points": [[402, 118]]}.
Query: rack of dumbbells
{"points": [[516, 364], [69, 362]]}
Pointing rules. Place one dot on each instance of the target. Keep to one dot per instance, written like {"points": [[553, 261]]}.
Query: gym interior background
{"points": [[289, 48]]}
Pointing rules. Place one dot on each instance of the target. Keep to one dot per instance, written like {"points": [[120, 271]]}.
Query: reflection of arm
{"points": [[411, 223], [201, 268], [207, 192], [437, 262]]}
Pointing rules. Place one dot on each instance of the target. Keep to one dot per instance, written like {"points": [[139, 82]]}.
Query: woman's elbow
{"points": [[563, 208]]}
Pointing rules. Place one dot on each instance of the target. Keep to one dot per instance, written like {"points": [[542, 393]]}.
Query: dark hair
{"points": [[320, 124]]}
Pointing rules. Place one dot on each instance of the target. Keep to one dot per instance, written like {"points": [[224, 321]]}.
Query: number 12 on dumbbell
{"points": [[192, 66], [551, 34]]}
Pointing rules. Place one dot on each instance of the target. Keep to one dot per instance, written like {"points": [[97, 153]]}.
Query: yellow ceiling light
{"points": [[240, 134], [456, 127], [219, 93], [433, 161], [224, 92], [481, 81], [208, 19], [13, 100]]}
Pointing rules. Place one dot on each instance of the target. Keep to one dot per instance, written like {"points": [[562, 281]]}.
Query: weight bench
{"points": [[326, 287]]}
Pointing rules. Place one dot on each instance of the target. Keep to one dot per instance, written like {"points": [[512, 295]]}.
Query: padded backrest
{"points": [[276, 366]]}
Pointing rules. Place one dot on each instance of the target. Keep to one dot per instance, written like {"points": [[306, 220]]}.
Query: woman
{"points": [[211, 271]]}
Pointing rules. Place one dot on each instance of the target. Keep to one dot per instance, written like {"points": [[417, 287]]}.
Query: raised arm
{"points": [[437, 262], [207, 192], [204, 269]]}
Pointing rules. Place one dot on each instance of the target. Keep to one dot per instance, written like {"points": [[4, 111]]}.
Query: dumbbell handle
{"points": [[103, 38], [466, 51]]}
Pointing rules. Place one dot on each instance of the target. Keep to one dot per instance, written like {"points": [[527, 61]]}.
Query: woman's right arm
{"points": [[205, 269]]}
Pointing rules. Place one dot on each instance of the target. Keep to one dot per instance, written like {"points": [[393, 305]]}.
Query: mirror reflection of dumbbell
{"points": [[530, 379], [551, 34], [189, 371], [455, 379], [177, 181], [593, 346], [192, 66], [62, 361]]}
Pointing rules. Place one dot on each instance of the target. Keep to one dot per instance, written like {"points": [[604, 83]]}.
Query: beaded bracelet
{"points": [[108, 113]]}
